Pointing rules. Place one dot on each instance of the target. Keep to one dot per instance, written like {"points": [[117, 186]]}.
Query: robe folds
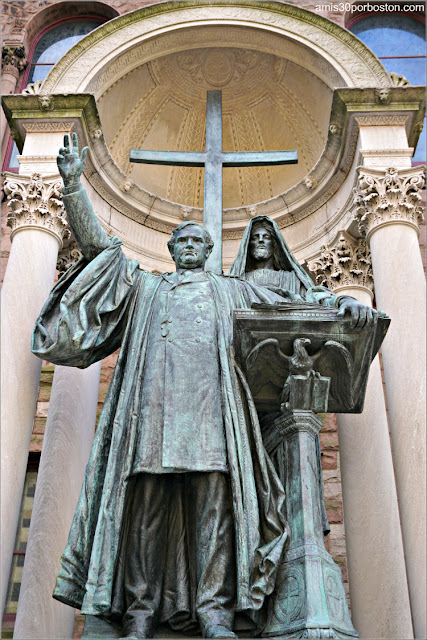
{"points": [[95, 308]]}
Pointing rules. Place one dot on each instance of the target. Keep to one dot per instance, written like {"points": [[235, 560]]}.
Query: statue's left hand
{"points": [[361, 314]]}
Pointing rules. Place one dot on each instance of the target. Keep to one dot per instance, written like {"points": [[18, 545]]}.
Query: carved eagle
{"points": [[267, 363]]}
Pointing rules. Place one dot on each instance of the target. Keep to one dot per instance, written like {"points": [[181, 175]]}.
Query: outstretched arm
{"points": [[90, 236]]}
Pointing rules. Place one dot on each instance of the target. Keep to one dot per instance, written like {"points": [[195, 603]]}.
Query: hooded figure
{"points": [[265, 259]]}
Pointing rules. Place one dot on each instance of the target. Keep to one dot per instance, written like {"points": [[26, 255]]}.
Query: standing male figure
{"points": [[181, 515]]}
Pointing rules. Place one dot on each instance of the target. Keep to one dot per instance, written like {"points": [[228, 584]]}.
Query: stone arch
{"points": [[55, 12], [108, 56], [345, 60]]}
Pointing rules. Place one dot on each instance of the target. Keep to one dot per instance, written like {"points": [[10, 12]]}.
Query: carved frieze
{"points": [[390, 196], [344, 263], [35, 202]]}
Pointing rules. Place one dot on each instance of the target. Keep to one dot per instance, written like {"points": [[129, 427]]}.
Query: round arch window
{"points": [[46, 49], [51, 44]]}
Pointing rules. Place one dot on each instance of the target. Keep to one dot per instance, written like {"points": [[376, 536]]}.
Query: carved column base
{"points": [[309, 601]]}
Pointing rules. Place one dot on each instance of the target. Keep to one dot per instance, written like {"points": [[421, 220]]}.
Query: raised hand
{"points": [[70, 164]]}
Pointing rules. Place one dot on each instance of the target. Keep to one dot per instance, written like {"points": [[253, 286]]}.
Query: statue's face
{"points": [[261, 243], [190, 249]]}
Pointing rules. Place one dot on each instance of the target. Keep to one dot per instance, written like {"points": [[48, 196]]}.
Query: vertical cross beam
{"points": [[212, 203], [213, 159]]}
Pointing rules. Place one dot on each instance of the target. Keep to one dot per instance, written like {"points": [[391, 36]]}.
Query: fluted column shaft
{"points": [[66, 447], [389, 213], [380, 605], [37, 230], [376, 564], [33, 253]]}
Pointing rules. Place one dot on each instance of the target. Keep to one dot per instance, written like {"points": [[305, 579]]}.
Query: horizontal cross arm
{"points": [[259, 158], [174, 158]]}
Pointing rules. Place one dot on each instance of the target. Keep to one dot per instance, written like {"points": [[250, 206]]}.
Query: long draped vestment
{"points": [[299, 283], [287, 274], [95, 308]]}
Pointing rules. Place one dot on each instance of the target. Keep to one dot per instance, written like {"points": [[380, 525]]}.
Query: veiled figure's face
{"points": [[261, 244]]}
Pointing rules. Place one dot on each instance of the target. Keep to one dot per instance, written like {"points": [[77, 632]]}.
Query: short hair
{"points": [[206, 235]]}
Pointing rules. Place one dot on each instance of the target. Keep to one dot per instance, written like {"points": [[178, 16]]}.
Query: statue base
{"points": [[98, 629]]}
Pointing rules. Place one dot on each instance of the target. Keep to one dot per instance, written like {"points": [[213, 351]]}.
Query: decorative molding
{"points": [[13, 57], [95, 134], [310, 183], [296, 420], [67, 256], [346, 262], [383, 95], [46, 126], [43, 165], [378, 119], [46, 102], [398, 81], [33, 88], [126, 186], [251, 211], [186, 212], [36, 203], [400, 158], [388, 197]]}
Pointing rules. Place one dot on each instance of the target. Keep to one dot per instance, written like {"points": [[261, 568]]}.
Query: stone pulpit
{"points": [[316, 363]]}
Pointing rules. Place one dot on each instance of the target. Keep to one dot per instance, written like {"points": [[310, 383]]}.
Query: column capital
{"points": [[390, 196], [68, 255], [13, 59], [345, 262], [297, 420], [36, 203]]}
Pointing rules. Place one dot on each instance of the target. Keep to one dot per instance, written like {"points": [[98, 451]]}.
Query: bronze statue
{"points": [[181, 517], [265, 259]]}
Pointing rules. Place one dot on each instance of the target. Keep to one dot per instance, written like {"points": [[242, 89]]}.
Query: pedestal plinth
{"points": [[310, 600]]}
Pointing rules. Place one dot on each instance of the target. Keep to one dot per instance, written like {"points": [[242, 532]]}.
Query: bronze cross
{"points": [[213, 159]]}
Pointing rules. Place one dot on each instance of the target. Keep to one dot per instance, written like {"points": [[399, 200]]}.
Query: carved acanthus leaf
{"points": [[12, 56], [345, 263], [67, 256], [388, 196], [38, 203]]}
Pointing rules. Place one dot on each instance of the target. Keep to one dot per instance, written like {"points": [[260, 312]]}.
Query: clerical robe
{"points": [[94, 309]]}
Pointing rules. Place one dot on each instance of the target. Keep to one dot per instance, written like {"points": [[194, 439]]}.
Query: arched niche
{"points": [[149, 71]]}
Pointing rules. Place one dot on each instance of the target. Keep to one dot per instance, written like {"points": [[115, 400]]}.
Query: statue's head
{"points": [[262, 242], [190, 245]]}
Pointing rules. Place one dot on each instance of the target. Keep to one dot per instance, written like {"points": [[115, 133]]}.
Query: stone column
{"points": [[66, 447], [13, 63], [38, 226], [389, 213], [380, 605]]}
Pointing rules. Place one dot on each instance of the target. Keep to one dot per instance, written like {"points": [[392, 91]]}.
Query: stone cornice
{"points": [[390, 196], [345, 262], [406, 104], [35, 203]]}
